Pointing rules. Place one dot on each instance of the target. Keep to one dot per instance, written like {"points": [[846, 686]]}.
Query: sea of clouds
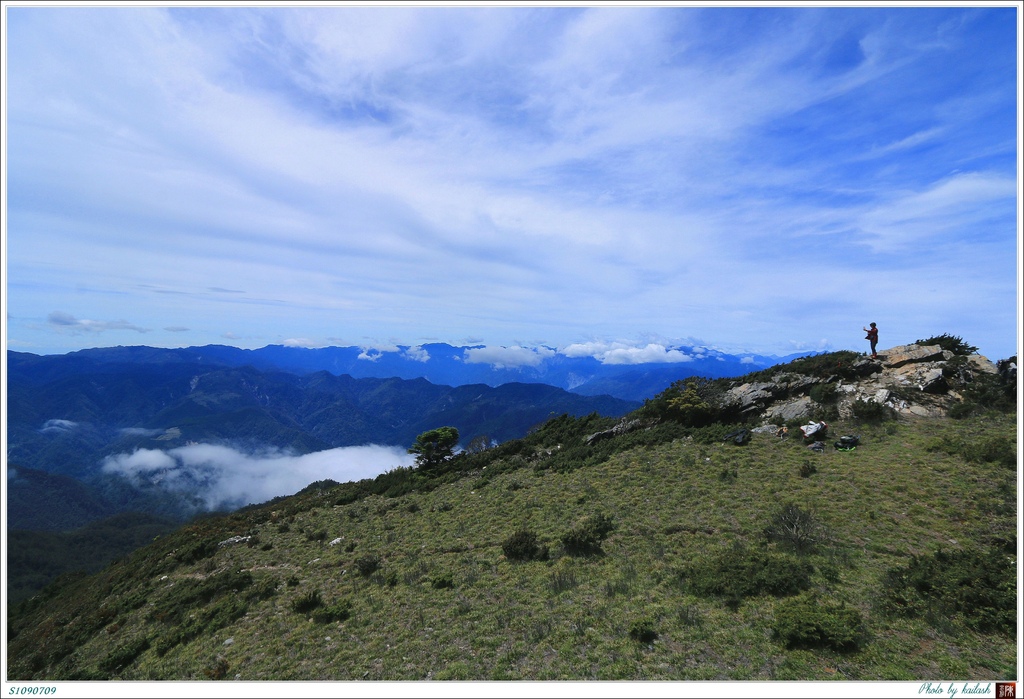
{"points": [[223, 477]]}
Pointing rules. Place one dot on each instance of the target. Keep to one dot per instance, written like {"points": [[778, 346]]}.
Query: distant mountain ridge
{"points": [[68, 413], [443, 364]]}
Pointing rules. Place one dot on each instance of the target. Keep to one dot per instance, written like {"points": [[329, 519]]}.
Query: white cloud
{"points": [[514, 357], [417, 354], [300, 342], [222, 477], [138, 462], [624, 353], [374, 351]]}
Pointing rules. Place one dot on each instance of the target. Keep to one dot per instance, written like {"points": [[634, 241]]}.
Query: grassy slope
{"points": [[674, 505]]}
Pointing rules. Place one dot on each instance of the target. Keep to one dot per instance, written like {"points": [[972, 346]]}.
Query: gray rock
{"points": [[621, 428], [913, 354], [932, 381], [752, 395], [789, 410]]}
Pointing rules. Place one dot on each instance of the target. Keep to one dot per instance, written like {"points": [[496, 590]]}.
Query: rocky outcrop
{"points": [[914, 354], [622, 427], [909, 379]]}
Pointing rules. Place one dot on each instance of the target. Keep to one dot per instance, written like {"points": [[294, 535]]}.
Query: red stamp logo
{"points": [[1006, 690]]}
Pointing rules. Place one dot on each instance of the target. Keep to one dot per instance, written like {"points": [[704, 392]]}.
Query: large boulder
{"points": [[902, 355], [923, 377], [985, 364], [783, 412], [751, 397]]}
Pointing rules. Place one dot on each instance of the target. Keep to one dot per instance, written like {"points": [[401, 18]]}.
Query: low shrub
{"points": [[964, 410], [809, 622], [840, 364], [824, 393], [563, 580], [642, 631], [741, 572], [307, 602], [319, 536], [951, 343], [367, 565], [227, 610], [586, 537], [338, 611], [794, 528], [218, 670], [975, 586], [124, 655], [195, 551], [871, 411], [442, 581], [710, 434], [523, 545], [981, 391], [999, 449], [188, 594]]}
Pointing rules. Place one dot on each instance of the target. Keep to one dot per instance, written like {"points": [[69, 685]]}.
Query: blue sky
{"points": [[614, 179]]}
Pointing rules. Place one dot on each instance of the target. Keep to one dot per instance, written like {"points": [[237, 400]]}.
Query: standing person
{"points": [[873, 338]]}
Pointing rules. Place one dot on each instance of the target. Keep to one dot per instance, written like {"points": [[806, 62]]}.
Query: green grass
{"points": [[442, 601]]}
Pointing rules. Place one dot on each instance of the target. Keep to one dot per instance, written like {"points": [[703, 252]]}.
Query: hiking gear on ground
{"points": [[848, 442], [739, 437], [813, 430]]}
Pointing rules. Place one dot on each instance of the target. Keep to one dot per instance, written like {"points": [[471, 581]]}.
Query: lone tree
{"points": [[435, 446]]}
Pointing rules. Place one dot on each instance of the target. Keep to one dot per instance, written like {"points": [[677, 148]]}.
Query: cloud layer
{"points": [[224, 478], [761, 178]]}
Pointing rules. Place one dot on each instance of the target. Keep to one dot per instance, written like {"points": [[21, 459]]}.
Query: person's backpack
{"points": [[817, 446], [847, 442], [740, 437]]}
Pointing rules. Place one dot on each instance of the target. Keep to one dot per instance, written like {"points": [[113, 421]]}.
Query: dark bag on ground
{"points": [[739, 437], [848, 442]]}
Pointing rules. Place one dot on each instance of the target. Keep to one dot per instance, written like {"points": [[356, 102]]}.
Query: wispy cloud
{"points": [[66, 322], [58, 425], [140, 431], [938, 214]]}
